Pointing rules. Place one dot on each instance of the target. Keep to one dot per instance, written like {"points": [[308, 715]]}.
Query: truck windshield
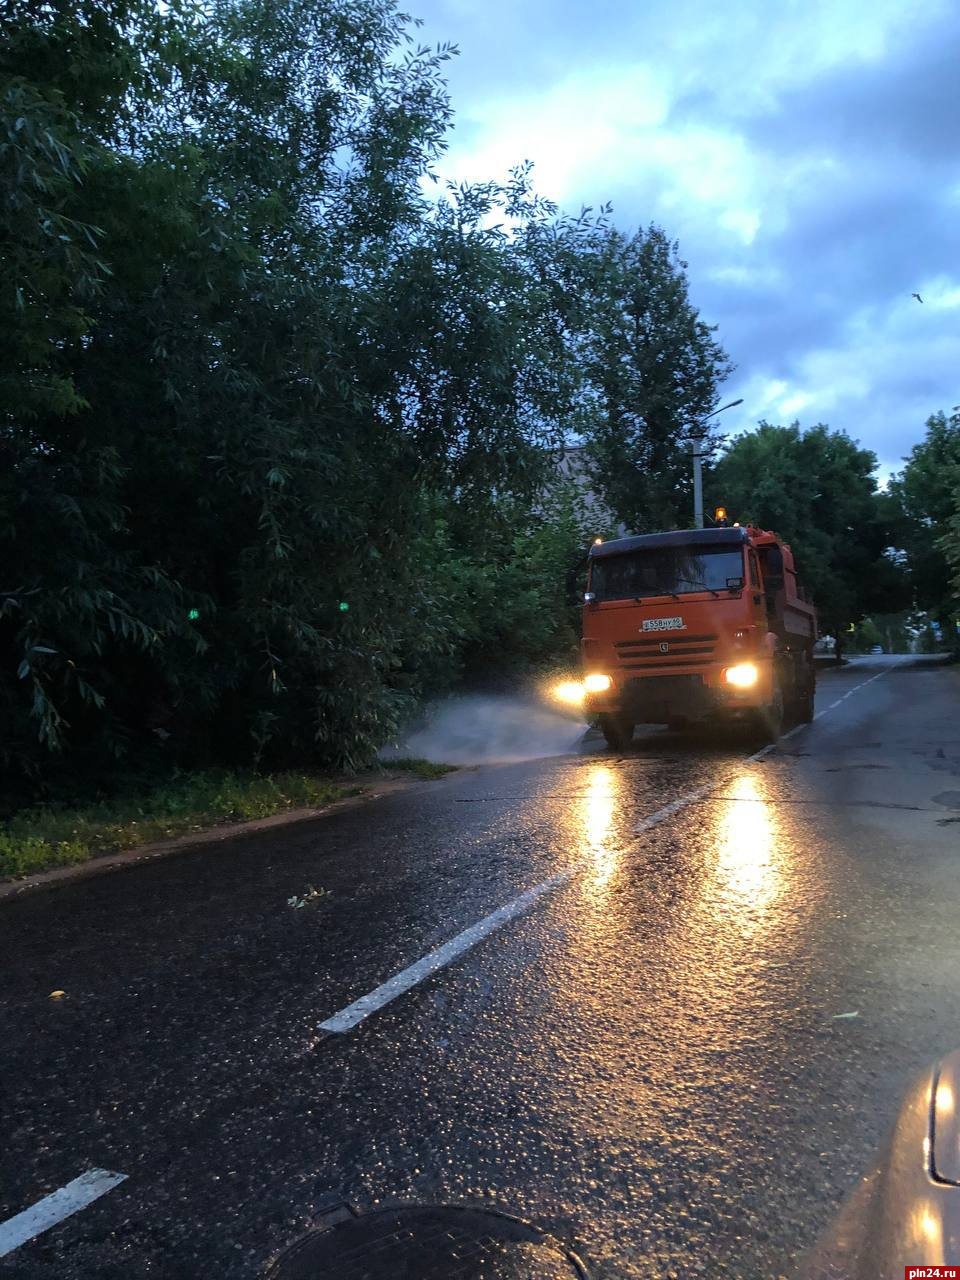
{"points": [[665, 571]]}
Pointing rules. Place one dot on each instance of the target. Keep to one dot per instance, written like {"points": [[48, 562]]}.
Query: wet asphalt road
{"points": [[647, 1063]]}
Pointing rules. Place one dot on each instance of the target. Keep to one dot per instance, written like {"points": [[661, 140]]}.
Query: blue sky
{"points": [[806, 156]]}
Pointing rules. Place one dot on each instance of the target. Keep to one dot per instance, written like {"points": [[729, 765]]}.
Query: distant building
{"points": [[574, 465]]}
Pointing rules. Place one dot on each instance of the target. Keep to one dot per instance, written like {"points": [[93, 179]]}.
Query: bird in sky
{"points": [[917, 296]]}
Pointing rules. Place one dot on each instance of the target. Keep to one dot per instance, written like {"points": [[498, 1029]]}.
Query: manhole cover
{"points": [[442, 1242]]}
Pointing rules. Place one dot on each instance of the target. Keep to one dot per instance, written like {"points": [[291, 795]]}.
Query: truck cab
{"points": [[695, 625]]}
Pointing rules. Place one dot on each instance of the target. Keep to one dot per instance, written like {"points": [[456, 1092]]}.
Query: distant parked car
{"points": [[877, 648]]}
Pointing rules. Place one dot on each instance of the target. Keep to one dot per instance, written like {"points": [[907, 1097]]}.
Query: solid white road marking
{"points": [[348, 1018], [60, 1204]]}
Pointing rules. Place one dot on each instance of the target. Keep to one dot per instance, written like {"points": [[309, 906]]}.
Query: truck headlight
{"points": [[597, 683], [743, 676]]}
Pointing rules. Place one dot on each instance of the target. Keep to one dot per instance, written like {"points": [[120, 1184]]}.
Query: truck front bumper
{"points": [[699, 696]]}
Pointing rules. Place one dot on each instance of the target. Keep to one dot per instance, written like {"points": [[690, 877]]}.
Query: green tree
{"points": [[949, 544], [926, 502], [75, 81], [651, 369], [818, 490]]}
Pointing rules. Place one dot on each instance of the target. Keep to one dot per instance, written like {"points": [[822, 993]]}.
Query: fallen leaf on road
{"points": [[57, 995], [311, 895], [854, 1014]]}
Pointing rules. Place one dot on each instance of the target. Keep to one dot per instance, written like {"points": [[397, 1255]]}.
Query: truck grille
{"points": [[644, 653]]}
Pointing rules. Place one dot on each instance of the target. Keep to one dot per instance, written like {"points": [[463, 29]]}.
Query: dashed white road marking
{"points": [[850, 692], [60, 1204], [668, 810], [353, 1014]]}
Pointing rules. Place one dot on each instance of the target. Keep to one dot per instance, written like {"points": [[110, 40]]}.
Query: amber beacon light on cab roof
{"points": [[696, 624]]}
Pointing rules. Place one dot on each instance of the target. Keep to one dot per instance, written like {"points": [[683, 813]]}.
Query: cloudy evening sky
{"points": [[805, 155]]}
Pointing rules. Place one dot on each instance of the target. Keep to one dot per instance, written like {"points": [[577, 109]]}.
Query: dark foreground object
{"points": [[438, 1242], [906, 1212]]}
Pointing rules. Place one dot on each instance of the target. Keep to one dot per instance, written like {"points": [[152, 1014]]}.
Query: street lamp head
{"points": [[698, 430], [732, 405]]}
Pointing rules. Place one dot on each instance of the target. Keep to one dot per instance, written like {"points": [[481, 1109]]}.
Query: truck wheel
{"points": [[769, 719], [617, 730], [804, 709], [801, 707]]}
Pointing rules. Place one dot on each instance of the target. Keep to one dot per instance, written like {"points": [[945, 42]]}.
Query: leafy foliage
{"points": [[818, 489], [652, 369], [926, 504]]}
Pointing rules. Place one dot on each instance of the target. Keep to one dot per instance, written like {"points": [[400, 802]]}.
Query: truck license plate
{"points": [[664, 624]]}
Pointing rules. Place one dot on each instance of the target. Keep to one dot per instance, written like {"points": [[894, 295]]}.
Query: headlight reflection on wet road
{"points": [[597, 814], [747, 875]]}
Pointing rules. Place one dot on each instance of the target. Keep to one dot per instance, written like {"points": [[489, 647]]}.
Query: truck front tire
{"points": [[801, 706], [803, 710], [769, 719], [616, 729]]}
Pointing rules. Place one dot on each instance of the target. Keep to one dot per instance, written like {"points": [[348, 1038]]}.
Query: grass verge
{"points": [[55, 836], [35, 839]]}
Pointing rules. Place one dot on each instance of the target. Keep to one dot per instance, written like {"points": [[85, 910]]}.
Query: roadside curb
{"points": [[107, 862]]}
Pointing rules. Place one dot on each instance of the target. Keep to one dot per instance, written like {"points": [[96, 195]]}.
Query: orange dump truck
{"points": [[698, 624]]}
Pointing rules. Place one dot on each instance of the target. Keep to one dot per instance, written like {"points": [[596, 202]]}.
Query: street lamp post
{"points": [[697, 441]]}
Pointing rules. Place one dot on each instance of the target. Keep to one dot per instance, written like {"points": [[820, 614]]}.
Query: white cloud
{"points": [[745, 222], [752, 275], [942, 294], [570, 131], [795, 403], [589, 139]]}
